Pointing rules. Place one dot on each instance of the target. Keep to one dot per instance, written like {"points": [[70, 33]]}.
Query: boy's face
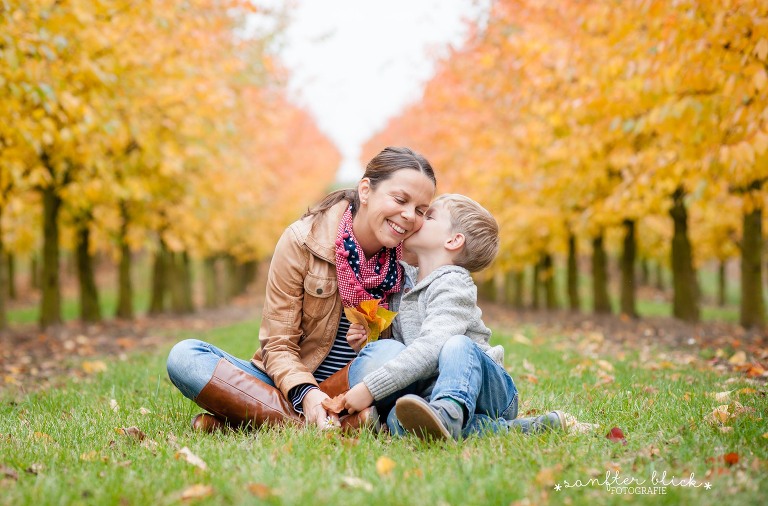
{"points": [[434, 233]]}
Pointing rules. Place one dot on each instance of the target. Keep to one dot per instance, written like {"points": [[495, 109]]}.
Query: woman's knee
{"points": [[181, 354]]}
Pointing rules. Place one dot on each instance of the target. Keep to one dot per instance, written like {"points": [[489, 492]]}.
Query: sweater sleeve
{"points": [[450, 303]]}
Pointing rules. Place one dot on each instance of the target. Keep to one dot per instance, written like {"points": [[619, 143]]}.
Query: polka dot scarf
{"points": [[360, 279]]}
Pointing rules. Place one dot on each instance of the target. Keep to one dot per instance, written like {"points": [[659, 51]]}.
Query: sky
{"points": [[356, 63]]}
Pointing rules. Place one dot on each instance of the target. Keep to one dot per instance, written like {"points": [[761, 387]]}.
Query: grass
{"points": [[67, 436]]}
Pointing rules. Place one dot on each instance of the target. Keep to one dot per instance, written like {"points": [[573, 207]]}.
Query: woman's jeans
{"points": [[466, 375], [191, 364]]}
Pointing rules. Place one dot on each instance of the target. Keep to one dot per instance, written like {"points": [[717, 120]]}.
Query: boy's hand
{"points": [[358, 398], [356, 337]]}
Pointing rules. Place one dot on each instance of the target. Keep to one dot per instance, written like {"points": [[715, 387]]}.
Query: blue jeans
{"points": [[470, 377], [191, 364]]}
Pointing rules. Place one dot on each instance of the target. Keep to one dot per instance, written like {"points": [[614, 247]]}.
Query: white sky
{"points": [[356, 63]]}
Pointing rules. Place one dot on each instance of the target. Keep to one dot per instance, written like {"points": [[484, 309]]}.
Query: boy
{"points": [[445, 339]]}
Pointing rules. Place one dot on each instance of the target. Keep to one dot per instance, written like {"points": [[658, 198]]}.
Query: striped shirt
{"points": [[340, 355]]}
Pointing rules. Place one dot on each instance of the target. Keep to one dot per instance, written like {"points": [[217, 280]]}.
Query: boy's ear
{"points": [[455, 243]]}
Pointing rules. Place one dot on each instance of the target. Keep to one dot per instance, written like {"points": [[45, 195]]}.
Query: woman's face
{"points": [[393, 211]]}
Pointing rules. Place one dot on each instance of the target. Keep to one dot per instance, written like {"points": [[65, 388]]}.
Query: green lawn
{"points": [[64, 448]]}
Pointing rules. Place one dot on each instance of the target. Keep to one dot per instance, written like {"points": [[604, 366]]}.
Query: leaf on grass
{"points": [[731, 458], [738, 358], [89, 456], [335, 404], [113, 405], [93, 367], [756, 370], [605, 365], [617, 436], [528, 366], [721, 396], [196, 492], [260, 490], [133, 432], [385, 466], [357, 483], [765, 435], [546, 476], [35, 468], [521, 339], [725, 413], [44, 437], [186, 454], [413, 473], [144, 411], [8, 472]]}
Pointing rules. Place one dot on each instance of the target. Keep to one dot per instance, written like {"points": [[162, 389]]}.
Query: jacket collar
{"points": [[321, 239]]}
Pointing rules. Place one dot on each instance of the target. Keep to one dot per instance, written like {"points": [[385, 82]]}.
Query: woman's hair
{"points": [[380, 168]]}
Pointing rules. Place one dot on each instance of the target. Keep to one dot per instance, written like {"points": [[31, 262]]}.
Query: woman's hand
{"points": [[356, 337], [314, 411], [358, 398]]}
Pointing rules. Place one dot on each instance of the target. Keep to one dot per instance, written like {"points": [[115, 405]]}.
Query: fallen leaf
{"points": [[546, 476], [144, 411], [113, 405], [747, 391], [335, 404], [44, 436], [528, 366], [756, 370], [133, 432], [35, 468], [413, 473], [721, 396], [196, 492], [731, 458], [616, 435], [355, 482], [605, 365], [765, 435], [260, 490], [738, 358], [191, 458], [89, 456], [385, 466], [719, 415], [93, 367], [8, 472], [521, 339]]}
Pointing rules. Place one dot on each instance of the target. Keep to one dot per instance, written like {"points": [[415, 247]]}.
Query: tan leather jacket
{"points": [[302, 306]]}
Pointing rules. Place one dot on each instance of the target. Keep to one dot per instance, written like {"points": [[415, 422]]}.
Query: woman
{"points": [[341, 252]]}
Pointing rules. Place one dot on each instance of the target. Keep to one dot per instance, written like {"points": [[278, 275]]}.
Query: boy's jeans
{"points": [[468, 375]]}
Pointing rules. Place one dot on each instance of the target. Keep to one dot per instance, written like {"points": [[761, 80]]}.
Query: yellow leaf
{"points": [[260, 490], [385, 466], [355, 482], [761, 49], [94, 366], [760, 79], [738, 358], [196, 492], [191, 458]]}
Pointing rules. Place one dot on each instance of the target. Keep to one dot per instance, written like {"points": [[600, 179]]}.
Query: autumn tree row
{"points": [[639, 127], [135, 124]]}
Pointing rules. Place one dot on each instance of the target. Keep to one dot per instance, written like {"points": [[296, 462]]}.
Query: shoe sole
{"points": [[417, 417]]}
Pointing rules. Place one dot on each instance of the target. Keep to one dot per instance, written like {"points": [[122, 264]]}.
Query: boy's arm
{"points": [[451, 303]]}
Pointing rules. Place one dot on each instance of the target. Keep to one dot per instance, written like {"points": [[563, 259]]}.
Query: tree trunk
{"points": [[685, 304], [34, 272], [210, 283], [628, 307], [230, 267], [548, 274], [3, 308], [645, 272], [186, 283], [125, 286], [89, 295], [659, 277], [11, 276], [535, 287], [50, 305], [602, 302], [574, 303], [250, 271], [160, 280], [722, 283], [752, 305], [518, 299]]}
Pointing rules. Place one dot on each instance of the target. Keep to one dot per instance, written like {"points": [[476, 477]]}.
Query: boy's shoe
{"points": [[441, 419], [560, 420]]}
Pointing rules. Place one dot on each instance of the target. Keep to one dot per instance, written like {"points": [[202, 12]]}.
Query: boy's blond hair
{"points": [[479, 227]]}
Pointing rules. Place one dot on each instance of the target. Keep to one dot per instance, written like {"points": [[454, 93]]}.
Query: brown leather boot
{"points": [[240, 399], [205, 422], [338, 383]]}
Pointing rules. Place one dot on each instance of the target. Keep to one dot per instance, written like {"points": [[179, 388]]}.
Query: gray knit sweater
{"points": [[442, 305]]}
